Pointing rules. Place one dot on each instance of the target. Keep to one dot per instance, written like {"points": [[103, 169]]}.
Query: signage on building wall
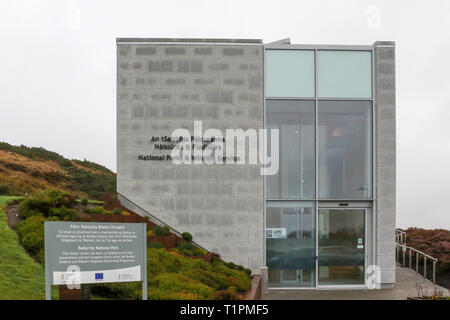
{"points": [[166, 143], [276, 233], [91, 252]]}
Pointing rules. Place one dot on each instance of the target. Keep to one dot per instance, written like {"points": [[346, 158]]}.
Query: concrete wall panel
{"points": [[162, 87]]}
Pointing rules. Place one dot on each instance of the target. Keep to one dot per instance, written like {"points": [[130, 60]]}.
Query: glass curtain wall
{"points": [[296, 175], [345, 149], [321, 103]]}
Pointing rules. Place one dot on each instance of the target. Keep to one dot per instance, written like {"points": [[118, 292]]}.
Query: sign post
{"points": [[94, 252]]}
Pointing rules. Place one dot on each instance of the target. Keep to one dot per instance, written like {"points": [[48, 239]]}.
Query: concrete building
{"points": [[328, 215]]}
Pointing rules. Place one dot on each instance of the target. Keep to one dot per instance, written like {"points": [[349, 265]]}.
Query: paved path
{"points": [[405, 286]]}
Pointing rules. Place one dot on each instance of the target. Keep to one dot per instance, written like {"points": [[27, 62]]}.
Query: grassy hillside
{"points": [[20, 276], [24, 170]]}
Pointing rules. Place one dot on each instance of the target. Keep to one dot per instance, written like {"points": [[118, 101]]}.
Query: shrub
{"points": [[228, 294], [31, 235], [117, 212], [98, 210], [84, 202], [150, 233], [169, 283], [118, 290], [187, 236], [108, 212], [70, 201], [160, 231], [233, 266], [185, 246], [186, 249], [63, 213], [160, 261], [243, 283], [199, 252], [41, 201], [126, 213], [5, 190], [155, 245], [211, 279]]}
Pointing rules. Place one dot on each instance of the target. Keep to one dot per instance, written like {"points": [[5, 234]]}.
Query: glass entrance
{"points": [[291, 244], [341, 247]]}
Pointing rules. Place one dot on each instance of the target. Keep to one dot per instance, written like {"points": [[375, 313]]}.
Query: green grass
{"points": [[20, 276], [91, 201]]}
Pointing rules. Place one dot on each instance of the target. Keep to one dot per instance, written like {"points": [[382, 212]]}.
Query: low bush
{"points": [[169, 283], [188, 249], [63, 213], [172, 276], [187, 236], [160, 231], [228, 294], [97, 210], [84, 202], [126, 213], [5, 190], [215, 275], [155, 245], [185, 246], [117, 212], [31, 235], [118, 290], [234, 266], [41, 201]]}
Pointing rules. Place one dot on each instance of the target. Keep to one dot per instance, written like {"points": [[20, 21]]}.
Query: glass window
{"points": [[290, 244], [345, 149], [296, 175], [289, 73], [344, 74]]}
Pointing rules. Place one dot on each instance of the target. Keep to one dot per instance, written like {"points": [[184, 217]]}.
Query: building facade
{"points": [[326, 218]]}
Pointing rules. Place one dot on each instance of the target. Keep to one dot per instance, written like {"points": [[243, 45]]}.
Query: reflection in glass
{"points": [[296, 175], [341, 246], [345, 149], [290, 244]]}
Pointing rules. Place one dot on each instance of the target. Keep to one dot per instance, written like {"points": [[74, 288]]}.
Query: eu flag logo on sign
{"points": [[99, 276]]}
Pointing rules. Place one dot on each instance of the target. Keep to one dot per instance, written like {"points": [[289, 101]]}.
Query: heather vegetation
{"points": [[435, 243], [24, 170]]}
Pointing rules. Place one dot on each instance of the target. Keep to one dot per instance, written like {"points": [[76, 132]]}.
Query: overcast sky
{"points": [[57, 63]]}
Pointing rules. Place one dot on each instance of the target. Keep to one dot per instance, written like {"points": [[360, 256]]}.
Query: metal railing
{"points": [[400, 236], [400, 239]]}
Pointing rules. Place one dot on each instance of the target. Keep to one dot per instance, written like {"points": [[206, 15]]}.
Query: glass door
{"points": [[290, 244], [341, 247]]}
